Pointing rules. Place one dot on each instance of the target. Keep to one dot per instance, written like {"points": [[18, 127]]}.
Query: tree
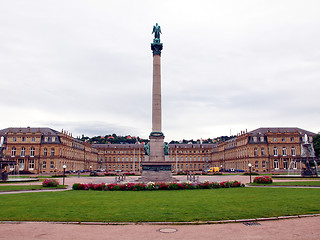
{"points": [[316, 144]]}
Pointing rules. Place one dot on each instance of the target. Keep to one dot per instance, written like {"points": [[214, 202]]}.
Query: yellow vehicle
{"points": [[213, 169]]}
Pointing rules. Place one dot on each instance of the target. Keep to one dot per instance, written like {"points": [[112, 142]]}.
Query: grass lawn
{"points": [[304, 183], [27, 187], [183, 205]]}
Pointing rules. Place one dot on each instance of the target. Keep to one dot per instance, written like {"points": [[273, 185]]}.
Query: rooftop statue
{"points": [[156, 30]]}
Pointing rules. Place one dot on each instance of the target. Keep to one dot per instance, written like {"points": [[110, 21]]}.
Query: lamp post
{"points": [[221, 167], [90, 169], [64, 172], [250, 165]]}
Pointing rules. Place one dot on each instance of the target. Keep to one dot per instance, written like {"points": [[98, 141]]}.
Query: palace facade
{"points": [[44, 150]]}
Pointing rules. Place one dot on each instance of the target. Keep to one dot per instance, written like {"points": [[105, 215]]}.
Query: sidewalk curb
{"points": [[170, 223]]}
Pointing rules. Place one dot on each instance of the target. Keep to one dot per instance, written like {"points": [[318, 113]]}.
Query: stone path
{"points": [[292, 229]]}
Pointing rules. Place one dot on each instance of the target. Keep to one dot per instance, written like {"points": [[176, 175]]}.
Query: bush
{"points": [[263, 180], [76, 186], [155, 186], [50, 183]]}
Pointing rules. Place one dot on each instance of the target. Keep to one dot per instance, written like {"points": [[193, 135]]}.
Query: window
{"points": [[14, 139], [254, 139], [51, 164], [263, 164], [45, 152], [274, 139], [262, 152], [52, 152], [292, 139], [285, 164], [293, 151], [44, 164], [276, 164], [255, 152], [53, 139], [283, 139], [284, 151], [256, 165], [31, 164], [275, 151], [32, 152], [23, 139], [294, 164], [261, 139], [23, 152], [13, 152], [46, 139], [21, 164], [33, 139]]}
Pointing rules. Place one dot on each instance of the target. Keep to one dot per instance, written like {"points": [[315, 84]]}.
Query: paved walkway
{"points": [[292, 229], [297, 228]]}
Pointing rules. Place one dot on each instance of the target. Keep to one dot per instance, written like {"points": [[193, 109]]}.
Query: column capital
{"points": [[156, 48]]}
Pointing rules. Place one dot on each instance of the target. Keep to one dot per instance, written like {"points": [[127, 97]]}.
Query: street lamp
{"points": [[64, 172], [221, 167], [250, 165], [90, 169]]}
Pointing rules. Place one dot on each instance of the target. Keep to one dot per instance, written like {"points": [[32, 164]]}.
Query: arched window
{"points": [[52, 152], [275, 151], [32, 152], [285, 164], [262, 152], [13, 152], [293, 151], [284, 151], [23, 151], [276, 164], [31, 164]]}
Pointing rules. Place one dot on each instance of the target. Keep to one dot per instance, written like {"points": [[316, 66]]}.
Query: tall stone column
{"points": [[155, 167]]}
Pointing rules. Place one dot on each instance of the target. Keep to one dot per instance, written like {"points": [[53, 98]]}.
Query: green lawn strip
{"points": [[183, 205], [304, 183], [27, 187], [15, 182], [296, 178]]}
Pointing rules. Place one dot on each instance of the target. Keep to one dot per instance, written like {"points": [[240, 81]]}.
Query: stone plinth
{"points": [[156, 149], [156, 172]]}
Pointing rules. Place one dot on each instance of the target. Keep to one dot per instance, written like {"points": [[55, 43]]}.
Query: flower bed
{"points": [[155, 186], [263, 180], [50, 183]]}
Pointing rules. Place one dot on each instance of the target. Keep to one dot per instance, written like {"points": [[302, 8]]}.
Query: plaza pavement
{"points": [[293, 229]]}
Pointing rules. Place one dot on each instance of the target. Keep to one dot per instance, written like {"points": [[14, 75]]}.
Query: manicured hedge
{"points": [[155, 186], [50, 183], [263, 180]]}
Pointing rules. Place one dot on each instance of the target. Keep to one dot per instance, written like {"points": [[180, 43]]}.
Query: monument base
{"points": [[156, 172]]}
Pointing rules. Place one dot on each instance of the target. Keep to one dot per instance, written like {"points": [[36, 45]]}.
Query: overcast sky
{"points": [[86, 66]]}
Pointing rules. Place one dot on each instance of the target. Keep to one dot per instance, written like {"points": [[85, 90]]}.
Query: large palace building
{"points": [[44, 150]]}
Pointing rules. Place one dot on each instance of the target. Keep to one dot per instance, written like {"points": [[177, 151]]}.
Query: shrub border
{"points": [[156, 186]]}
